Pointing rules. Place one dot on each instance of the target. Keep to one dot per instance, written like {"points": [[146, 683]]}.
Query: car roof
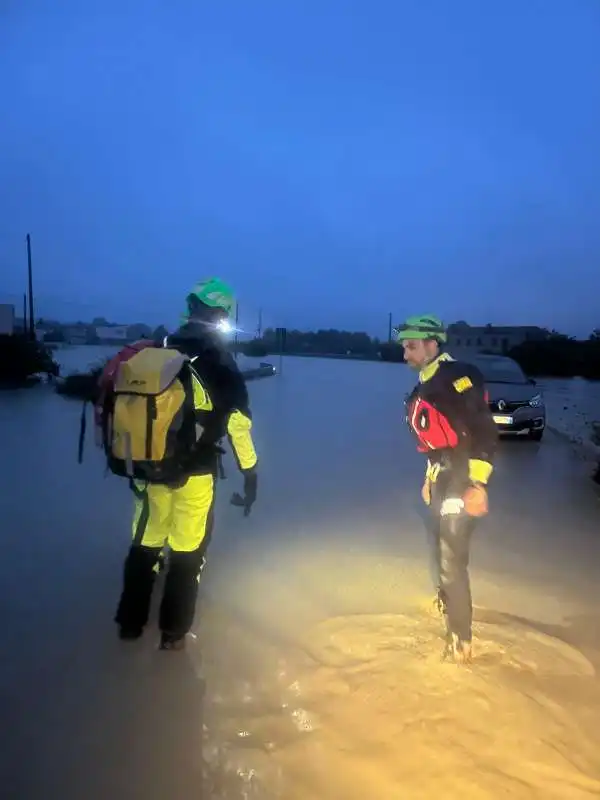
{"points": [[482, 358]]}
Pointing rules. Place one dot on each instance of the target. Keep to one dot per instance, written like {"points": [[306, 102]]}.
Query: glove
{"points": [[476, 501], [426, 491], [250, 488]]}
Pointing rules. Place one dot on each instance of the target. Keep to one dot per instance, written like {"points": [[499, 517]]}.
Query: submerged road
{"points": [[85, 716]]}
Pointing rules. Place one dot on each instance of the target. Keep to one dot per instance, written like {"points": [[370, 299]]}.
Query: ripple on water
{"points": [[366, 708]]}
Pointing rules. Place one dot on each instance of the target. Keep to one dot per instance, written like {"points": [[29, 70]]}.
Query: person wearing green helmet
{"points": [[448, 414], [210, 303], [179, 513]]}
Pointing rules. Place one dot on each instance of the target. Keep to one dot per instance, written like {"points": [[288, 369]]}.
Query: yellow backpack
{"points": [[149, 430]]}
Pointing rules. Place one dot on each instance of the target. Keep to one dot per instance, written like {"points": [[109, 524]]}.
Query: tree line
{"points": [[560, 356], [329, 342], [557, 355]]}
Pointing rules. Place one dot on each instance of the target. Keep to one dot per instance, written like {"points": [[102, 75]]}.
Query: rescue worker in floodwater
{"points": [[448, 413], [179, 513]]}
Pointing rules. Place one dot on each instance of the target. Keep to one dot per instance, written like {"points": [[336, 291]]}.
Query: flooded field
{"points": [[316, 671]]}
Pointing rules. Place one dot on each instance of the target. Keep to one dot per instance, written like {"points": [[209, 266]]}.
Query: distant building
{"points": [[139, 331], [7, 319], [491, 338], [109, 334], [79, 334]]}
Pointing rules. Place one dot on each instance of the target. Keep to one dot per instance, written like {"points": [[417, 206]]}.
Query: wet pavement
{"points": [[337, 531]]}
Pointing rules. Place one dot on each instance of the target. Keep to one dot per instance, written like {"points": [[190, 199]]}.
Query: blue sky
{"points": [[333, 160]]}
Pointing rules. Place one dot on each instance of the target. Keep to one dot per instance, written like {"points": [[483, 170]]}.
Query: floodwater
{"points": [[74, 358], [315, 674]]}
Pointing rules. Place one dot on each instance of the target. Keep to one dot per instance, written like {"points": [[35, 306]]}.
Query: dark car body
{"points": [[516, 402]]}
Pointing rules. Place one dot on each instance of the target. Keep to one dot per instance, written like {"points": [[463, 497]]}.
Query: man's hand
{"points": [[250, 490], [426, 491], [476, 501]]}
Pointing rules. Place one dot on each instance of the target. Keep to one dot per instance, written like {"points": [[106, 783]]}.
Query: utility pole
{"points": [[390, 328], [259, 327], [24, 313], [281, 336], [30, 281]]}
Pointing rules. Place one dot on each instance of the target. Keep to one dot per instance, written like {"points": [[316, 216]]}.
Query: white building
{"points": [[491, 338], [113, 333]]}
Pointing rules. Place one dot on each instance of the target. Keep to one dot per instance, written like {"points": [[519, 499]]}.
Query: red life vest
{"points": [[432, 429]]}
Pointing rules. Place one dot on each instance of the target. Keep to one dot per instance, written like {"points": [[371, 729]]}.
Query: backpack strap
{"points": [[150, 417], [189, 408], [82, 430]]}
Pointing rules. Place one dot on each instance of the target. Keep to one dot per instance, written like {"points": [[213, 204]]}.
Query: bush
{"points": [[21, 358], [391, 351], [559, 357], [254, 349], [82, 385]]}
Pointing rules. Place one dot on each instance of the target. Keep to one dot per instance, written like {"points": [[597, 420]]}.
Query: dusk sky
{"points": [[333, 160]]}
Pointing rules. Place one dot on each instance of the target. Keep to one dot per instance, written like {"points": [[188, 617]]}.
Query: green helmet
{"points": [[424, 326], [213, 293]]}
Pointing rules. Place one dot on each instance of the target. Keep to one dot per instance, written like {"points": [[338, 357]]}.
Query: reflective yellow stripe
{"points": [[479, 471], [202, 401], [429, 370], [238, 429], [432, 471], [462, 384]]}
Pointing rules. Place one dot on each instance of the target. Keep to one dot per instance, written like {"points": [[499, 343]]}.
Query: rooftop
{"points": [[464, 327]]}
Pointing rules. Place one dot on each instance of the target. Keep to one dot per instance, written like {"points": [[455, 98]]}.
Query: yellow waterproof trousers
{"points": [[178, 517], [181, 517]]}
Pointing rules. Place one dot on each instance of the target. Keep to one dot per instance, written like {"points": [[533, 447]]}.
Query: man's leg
{"points": [[455, 539], [433, 537], [189, 537], [151, 520]]}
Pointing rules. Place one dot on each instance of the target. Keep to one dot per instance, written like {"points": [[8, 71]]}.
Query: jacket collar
{"points": [[429, 370]]}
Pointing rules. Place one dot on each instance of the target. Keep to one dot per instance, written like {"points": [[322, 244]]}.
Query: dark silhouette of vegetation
{"points": [[392, 351], [254, 349], [81, 385], [560, 356], [324, 342], [555, 356], [21, 359], [331, 343]]}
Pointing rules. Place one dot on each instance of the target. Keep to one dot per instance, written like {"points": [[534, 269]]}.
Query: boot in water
{"points": [[439, 604], [458, 650], [130, 634], [170, 642]]}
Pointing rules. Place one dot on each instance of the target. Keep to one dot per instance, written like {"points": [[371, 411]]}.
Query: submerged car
{"points": [[516, 403]]}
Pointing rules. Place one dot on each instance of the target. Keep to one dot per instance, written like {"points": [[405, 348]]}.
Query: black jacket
{"points": [[450, 417], [225, 385]]}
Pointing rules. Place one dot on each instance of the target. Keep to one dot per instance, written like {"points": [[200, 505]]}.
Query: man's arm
{"points": [[236, 404], [239, 433], [467, 410]]}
